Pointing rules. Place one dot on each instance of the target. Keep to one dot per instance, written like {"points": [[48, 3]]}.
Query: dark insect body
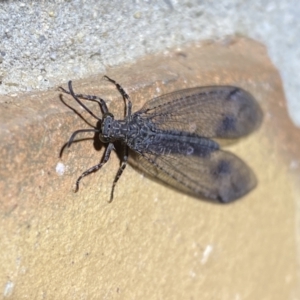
{"points": [[171, 139]]}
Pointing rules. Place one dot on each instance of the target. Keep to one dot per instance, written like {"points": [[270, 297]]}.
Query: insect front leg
{"points": [[125, 96], [120, 171], [93, 169]]}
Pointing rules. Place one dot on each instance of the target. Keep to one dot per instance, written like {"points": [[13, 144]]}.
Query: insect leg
{"points": [[120, 171], [93, 169], [125, 96], [79, 131]]}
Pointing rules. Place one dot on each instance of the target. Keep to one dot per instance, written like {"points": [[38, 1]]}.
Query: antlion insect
{"points": [[170, 139]]}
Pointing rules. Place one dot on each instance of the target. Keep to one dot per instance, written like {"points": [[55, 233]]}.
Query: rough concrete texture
{"points": [[151, 242], [44, 43]]}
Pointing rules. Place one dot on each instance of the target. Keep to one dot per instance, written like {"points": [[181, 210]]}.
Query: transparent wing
{"points": [[219, 176], [213, 111]]}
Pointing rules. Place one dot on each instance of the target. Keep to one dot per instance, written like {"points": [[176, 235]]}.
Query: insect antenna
{"points": [[78, 101]]}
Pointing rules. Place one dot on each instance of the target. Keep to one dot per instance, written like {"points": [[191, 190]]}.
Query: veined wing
{"points": [[213, 111], [219, 176]]}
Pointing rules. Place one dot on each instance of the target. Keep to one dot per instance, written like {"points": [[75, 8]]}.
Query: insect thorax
{"points": [[112, 130], [128, 130]]}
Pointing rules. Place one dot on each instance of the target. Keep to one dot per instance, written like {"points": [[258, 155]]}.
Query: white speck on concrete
{"points": [[237, 297], [206, 253], [192, 274], [294, 164], [8, 289], [60, 168]]}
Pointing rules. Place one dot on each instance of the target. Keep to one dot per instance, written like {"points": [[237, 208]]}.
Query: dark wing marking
{"points": [[213, 111], [222, 176]]}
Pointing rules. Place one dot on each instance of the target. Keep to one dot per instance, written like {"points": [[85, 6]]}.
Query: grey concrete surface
{"points": [[46, 43]]}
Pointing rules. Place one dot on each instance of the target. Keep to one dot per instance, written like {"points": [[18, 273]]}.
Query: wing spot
{"points": [[228, 124], [222, 169], [233, 94]]}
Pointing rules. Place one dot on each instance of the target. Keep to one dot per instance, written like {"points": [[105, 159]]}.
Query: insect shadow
{"points": [[173, 139]]}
